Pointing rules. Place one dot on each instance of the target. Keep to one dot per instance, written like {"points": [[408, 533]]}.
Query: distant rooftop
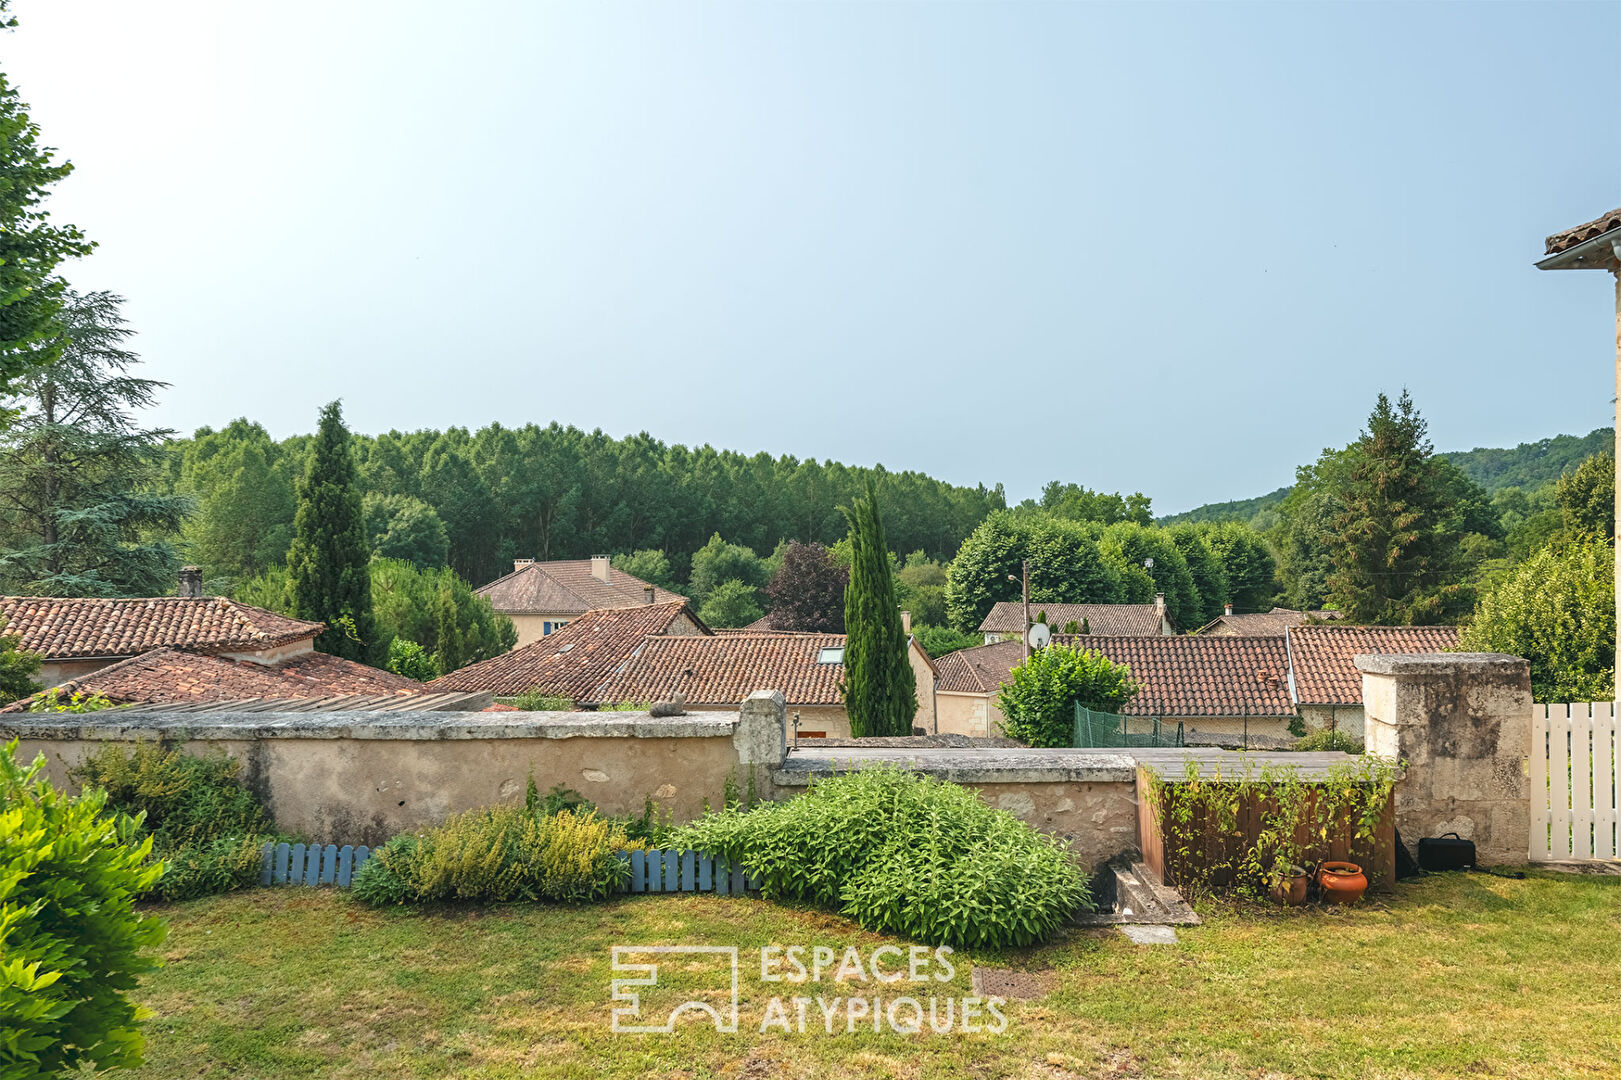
{"points": [[65, 628], [569, 586]]}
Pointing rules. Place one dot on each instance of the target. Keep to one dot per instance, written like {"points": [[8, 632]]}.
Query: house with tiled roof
{"points": [[169, 676], [656, 651], [1324, 681], [1213, 685], [543, 597], [1006, 618], [1274, 623], [572, 661], [81, 635]]}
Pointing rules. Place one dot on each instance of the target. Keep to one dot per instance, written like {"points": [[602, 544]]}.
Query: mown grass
{"points": [[1454, 976]]}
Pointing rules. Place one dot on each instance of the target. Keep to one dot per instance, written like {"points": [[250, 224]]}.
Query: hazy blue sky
{"points": [[1174, 248]]}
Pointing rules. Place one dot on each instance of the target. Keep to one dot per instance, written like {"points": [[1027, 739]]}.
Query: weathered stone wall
{"points": [[361, 778], [1461, 722], [1346, 718]]}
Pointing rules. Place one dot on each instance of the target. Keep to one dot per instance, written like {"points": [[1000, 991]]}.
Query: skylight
{"points": [[834, 655]]}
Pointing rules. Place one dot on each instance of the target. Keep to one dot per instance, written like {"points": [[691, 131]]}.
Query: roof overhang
{"points": [[1602, 252]]}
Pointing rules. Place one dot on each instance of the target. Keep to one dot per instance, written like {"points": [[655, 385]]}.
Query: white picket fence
{"points": [[1574, 782]]}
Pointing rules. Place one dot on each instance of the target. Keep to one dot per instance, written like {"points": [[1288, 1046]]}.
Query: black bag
{"points": [[1448, 852], [1405, 866]]}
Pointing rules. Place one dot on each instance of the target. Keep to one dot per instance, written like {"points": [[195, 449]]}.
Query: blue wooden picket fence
{"points": [[650, 871]]}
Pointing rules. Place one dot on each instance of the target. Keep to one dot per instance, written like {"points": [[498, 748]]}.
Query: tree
{"points": [[32, 247], [879, 687], [77, 511], [1586, 497], [464, 502], [920, 587], [807, 592], [939, 640], [1136, 545], [73, 943], [244, 509], [402, 527], [1394, 538], [17, 669], [718, 562], [1209, 577], [651, 565], [411, 660], [1245, 560], [1076, 503], [729, 605], [1038, 700], [329, 563], [1066, 566], [434, 608], [1556, 609]]}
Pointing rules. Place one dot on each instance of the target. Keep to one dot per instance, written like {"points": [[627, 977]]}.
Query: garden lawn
{"points": [[1454, 976]]}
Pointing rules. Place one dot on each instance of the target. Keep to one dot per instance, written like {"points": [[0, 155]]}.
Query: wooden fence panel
{"points": [[1574, 782]]}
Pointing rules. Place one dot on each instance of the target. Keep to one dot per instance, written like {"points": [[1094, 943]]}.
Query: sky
{"points": [[1169, 248]]}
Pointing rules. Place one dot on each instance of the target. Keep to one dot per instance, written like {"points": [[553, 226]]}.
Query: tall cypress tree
{"points": [[329, 564], [879, 687]]}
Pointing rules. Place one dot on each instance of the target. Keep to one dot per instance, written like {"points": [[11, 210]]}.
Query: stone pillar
{"points": [[761, 738], [1461, 724]]}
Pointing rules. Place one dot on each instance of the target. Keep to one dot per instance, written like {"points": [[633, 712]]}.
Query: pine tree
{"points": [[879, 687], [1393, 540], [450, 655], [78, 513], [31, 246], [328, 566]]}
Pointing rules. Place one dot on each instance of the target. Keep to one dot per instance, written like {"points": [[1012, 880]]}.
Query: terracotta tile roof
{"points": [[1323, 656], [1272, 623], [63, 628], [723, 669], [1109, 620], [572, 661], [567, 587], [1180, 676], [168, 675], [1564, 241]]}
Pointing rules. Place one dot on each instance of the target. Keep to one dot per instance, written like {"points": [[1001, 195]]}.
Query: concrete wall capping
{"points": [[980, 766], [1475, 663], [369, 725]]}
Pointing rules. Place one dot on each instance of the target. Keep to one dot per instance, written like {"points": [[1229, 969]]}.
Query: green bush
{"points": [[71, 945], [1329, 739], [1038, 701], [903, 854], [205, 826], [407, 658], [501, 854]]}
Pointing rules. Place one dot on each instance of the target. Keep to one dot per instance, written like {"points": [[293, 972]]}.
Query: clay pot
{"points": [[1341, 882], [1290, 888]]}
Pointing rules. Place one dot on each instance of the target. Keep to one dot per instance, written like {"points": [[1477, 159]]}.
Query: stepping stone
{"points": [[1149, 934]]}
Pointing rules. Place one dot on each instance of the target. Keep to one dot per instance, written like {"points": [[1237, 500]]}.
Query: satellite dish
{"points": [[1039, 636]]}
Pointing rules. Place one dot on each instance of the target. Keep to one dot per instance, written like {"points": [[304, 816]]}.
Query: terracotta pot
{"points": [[1341, 882], [1290, 890]]}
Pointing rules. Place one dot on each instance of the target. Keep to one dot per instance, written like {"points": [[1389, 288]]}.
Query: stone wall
{"points": [[1461, 723], [362, 777]]}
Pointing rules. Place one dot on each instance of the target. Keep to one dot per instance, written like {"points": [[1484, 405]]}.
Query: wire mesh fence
{"points": [[1105, 730]]}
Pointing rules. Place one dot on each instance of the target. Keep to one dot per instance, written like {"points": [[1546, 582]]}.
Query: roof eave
{"points": [[1601, 252]]}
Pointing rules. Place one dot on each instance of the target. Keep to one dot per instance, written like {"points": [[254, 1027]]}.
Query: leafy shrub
{"points": [[903, 854], [206, 827], [939, 640], [1329, 739], [71, 945], [500, 854], [406, 657], [1039, 699], [54, 700], [535, 701]]}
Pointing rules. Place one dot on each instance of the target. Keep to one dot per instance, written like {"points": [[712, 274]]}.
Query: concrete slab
{"points": [[1150, 934]]}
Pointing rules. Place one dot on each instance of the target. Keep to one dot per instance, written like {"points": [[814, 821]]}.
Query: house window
{"points": [[833, 655], [545, 628]]}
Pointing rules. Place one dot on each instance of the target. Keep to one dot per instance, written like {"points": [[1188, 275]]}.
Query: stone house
{"points": [[1006, 619], [78, 636], [543, 597], [1212, 685]]}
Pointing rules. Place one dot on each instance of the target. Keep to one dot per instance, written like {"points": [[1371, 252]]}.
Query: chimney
{"points": [[519, 564], [648, 593], [191, 583], [1229, 610], [906, 622], [1159, 604], [599, 568]]}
